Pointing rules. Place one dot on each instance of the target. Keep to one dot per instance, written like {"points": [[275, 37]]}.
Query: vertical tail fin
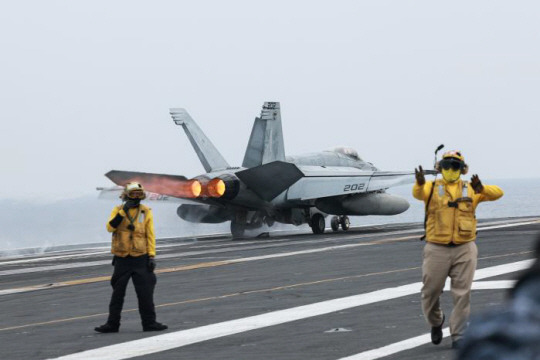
{"points": [[266, 140], [210, 157]]}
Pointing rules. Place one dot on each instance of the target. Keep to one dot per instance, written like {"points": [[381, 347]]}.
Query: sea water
{"points": [[43, 225]]}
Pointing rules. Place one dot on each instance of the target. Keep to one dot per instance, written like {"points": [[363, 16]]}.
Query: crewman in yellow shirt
{"points": [[450, 250], [134, 249]]}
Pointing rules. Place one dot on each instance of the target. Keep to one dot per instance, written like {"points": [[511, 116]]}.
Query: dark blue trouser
{"points": [[144, 281]]}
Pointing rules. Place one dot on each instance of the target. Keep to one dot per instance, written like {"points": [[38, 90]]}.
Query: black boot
{"points": [[155, 326], [107, 328], [436, 333]]}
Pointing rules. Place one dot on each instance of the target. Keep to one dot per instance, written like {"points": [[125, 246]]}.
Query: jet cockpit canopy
{"points": [[347, 151]]}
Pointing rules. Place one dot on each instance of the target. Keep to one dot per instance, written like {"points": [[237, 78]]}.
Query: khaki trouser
{"points": [[459, 263]]}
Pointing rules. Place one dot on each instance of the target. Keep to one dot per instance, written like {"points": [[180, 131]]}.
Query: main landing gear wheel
{"points": [[317, 223], [334, 223], [342, 220], [237, 230], [345, 223]]}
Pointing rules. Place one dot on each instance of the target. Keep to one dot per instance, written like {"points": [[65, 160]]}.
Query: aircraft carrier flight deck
{"points": [[344, 295]]}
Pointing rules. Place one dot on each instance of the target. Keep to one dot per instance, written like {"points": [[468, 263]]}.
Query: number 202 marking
{"points": [[354, 187]]}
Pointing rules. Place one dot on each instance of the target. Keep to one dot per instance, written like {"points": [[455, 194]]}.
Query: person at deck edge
{"points": [[450, 250], [134, 249]]}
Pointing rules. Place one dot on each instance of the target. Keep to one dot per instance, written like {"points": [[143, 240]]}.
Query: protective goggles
{"points": [[453, 164], [136, 194]]}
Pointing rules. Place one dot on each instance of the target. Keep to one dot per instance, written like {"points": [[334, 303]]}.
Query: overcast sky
{"points": [[85, 86]]}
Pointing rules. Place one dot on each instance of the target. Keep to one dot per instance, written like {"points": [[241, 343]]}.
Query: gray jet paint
{"points": [[271, 187]]}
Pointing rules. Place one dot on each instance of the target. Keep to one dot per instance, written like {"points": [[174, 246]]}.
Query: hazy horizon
{"points": [[86, 86], [82, 220]]}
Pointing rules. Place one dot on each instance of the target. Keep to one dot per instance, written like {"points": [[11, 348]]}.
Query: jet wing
{"points": [[320, 182], [381, 180], [304, 182]]}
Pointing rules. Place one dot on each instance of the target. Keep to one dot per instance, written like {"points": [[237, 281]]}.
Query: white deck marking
{"points": [[481, 285], [221, 237], [502, 269], [204, 252], [493, 285], [54, 267], [508, 225], [79, 254], [181, 338], [426, 338], [395, 347], [189, 253], [51, 258]]}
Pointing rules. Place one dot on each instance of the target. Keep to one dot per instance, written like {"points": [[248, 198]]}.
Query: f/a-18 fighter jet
{"points": [[270, 187]]}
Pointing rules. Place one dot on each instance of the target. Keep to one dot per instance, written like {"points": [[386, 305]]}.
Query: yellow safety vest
{"points": [[133, 243], [451, 220]]}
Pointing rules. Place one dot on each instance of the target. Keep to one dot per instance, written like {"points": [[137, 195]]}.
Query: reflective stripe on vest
{"points": [[464, 191], [142, 216], [465, 195]]}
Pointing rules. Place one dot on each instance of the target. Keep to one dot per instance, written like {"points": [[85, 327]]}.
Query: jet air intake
{"points": [[225, 186]]}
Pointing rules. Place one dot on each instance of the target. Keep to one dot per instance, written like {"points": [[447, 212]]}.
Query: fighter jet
{"points": [[270, 187]]}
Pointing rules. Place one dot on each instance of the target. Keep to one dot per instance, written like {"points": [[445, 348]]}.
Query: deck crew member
{"points": [[450, 249], [134, 249]]}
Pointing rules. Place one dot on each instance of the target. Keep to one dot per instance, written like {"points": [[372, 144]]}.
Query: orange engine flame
{"points": [[216, 188], [190, 189], [182, 189], [168, 185]]}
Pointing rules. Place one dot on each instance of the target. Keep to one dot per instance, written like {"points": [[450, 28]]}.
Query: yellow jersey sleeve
{"points": [[113, 215], [490, 193], [421, 192], [116, 210], [150, 234]]}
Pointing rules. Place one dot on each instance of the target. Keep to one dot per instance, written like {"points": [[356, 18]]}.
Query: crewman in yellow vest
{"points": [[450, 250], [134, 249]]}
